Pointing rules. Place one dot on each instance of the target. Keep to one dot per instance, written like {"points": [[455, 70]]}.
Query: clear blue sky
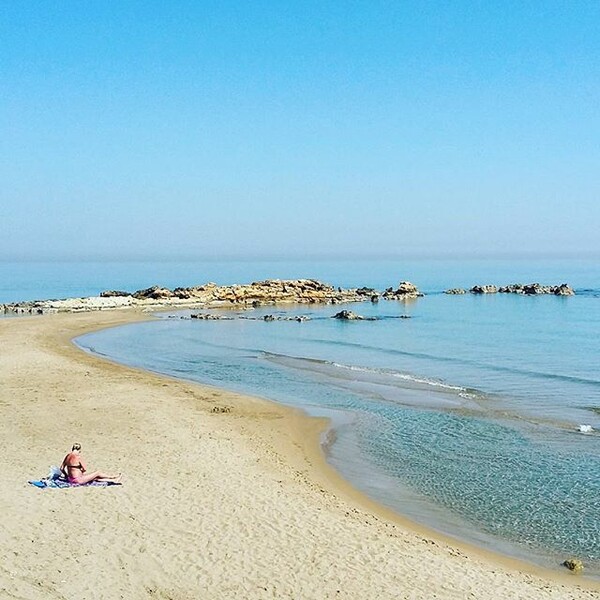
{"points": [[198, 129]]}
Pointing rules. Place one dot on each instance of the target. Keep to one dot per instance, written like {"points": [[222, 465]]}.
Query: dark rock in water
{"points": [[573, 564], [563, 290], [347, 315], [483, 289], [270, 318], [209, 317], [535, 289], [455, 291], [514, 288], [114, 294], [375, 298]]}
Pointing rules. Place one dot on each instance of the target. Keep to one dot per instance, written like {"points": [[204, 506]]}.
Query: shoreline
{"points": [[283, 447]]}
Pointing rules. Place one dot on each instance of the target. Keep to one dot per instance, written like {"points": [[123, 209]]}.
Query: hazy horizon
{"points": [[201, 131]]}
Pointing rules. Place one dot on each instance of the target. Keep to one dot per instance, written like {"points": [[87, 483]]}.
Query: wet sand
{"points": [[224, 496]]}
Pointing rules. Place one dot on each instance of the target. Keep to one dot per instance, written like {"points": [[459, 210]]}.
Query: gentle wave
{"points": [[464, 361], [399, 375], [390, 377]]}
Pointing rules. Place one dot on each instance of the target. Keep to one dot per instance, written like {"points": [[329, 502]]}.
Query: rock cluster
{"points": [[531, 289], [43, 307], [258, 293], [221, 317], [404, 291], [269, 318], [528, 289]]}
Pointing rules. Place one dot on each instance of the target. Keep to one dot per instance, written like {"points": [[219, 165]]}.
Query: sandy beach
{"points": [[224, 496]]}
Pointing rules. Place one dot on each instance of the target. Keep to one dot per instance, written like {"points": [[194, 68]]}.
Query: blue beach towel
{"points": [[63, 483], [56, 480]]}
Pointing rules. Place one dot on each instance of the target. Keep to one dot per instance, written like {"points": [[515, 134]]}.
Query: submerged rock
{"points": [[347, 315], [455, 291]]}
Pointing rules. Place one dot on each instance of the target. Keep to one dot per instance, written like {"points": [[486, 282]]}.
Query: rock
{"points": [[209, 317], [483, 289], [535, 289], [270, 318], [514, 288], [347, 315], [405, 290], [366, 291], [455, 291], [563, 290], [573, 564], [154, 292], [114, 294], [211, 295]]}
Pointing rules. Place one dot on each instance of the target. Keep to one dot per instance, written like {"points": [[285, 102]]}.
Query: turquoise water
{"points": [[464, 417]]}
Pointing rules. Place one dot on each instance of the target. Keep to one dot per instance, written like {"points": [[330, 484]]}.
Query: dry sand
{"points": [[238, 504]]}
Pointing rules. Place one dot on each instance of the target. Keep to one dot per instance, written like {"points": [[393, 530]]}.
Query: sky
{"points": [[187, 130]]}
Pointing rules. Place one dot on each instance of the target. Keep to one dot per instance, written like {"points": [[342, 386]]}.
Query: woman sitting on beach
{"points": [[75, 470]]}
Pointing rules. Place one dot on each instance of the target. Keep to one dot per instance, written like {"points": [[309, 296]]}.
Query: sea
{"points": [[477, 416]]}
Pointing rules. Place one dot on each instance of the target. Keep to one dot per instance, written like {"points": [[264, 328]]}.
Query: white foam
{"points": [[404, 376], [585, 429]]}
